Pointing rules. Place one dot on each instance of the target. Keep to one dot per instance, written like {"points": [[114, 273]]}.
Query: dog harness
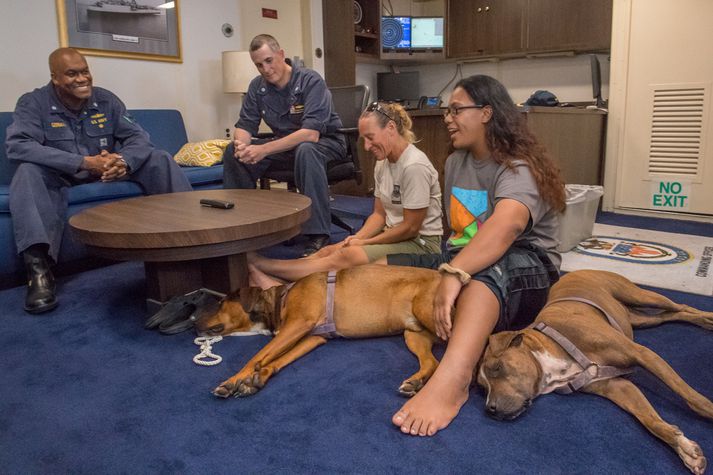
{"points": [[328, 329], [590, 369]]}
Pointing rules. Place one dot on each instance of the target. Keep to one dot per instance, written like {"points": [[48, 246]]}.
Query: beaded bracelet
{"points": [[462, 275]]}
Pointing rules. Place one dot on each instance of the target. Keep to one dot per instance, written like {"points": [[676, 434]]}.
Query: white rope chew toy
{"points": [[206, 342]]}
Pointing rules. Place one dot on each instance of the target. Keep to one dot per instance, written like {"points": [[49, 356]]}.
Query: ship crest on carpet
{"points": [[629, 250]]}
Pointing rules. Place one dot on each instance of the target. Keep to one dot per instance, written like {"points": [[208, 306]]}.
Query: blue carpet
{"points": [[87, 390]]}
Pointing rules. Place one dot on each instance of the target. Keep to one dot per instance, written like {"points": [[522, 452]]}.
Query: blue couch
{"points": [[167, 131]]}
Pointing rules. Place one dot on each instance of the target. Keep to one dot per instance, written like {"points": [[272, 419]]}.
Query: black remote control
{"points": [[217, 204]]}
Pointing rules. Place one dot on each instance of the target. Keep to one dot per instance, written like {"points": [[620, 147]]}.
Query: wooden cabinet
{"points": [[485, 28], [573, 137], [339, 55], [569, 25], [510, 28]]}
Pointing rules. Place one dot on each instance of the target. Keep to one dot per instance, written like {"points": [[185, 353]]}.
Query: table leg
{"points": [[168, 279]]}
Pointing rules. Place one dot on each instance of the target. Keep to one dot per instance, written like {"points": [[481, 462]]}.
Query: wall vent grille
{"points": [[677, 130]]}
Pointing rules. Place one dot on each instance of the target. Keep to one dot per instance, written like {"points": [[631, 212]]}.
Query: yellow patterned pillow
{"points": [[201, 154]]}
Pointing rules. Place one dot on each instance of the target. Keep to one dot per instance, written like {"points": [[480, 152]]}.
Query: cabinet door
{"points": [[501, 26], [460, 28], [485, 27], [339, 56], [578, 25]]}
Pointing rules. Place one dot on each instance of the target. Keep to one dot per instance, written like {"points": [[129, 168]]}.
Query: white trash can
{"points": [[577, 222]]}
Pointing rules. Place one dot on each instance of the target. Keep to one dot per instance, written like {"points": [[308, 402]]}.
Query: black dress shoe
{"points": [[41, 288], [315, 243]]}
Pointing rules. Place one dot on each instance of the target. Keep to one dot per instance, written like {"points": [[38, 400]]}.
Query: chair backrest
{"points": [[349, 102]]}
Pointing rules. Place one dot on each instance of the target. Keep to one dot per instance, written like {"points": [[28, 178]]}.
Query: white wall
{"points": [[28, 33], [287, 28]]}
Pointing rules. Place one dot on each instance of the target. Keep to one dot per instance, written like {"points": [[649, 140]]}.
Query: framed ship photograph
{"points": [[137, 29]]}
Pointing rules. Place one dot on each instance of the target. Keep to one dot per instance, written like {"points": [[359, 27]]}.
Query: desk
{"points": [[186, 246]]}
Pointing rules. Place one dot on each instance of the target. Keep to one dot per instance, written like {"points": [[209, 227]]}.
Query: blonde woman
{"points": [[407, 206]]}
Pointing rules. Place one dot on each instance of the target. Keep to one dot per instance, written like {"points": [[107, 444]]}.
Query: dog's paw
{"points": [[410, 387], [691, 454], [224, 390], [250, 385]]}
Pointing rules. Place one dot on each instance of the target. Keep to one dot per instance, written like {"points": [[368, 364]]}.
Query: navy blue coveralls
{"points": [[50, 142], [304, 103]]}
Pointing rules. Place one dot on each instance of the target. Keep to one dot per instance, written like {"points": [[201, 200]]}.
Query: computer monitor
{"points": [[395, 32], [397, 87], [596, 81], [427, 32]]}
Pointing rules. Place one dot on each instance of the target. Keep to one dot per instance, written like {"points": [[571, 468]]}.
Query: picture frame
{"points": [[134, 29]]}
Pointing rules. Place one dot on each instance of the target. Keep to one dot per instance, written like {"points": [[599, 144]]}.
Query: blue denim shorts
{"points": [[520, 280]]}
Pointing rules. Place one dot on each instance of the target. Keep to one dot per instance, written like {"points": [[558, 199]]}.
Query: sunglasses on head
{"points": [[376, 107]]}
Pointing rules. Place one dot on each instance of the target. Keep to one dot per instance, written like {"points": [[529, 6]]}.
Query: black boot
{"points": [[40, 287]]}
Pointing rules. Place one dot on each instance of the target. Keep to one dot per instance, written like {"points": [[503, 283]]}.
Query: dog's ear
{"points": [[270, 296], [516, 341], [248, 297], [499, 342]]}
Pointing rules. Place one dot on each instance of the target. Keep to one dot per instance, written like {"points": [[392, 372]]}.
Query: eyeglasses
{"points": [[376, 107], [455, 110]]}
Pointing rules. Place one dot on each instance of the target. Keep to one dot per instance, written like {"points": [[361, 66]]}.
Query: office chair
{"points": [[349, 102]]}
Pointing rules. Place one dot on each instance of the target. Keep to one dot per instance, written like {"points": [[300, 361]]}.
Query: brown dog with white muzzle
{"points": [[582, 340], [368, 301]]}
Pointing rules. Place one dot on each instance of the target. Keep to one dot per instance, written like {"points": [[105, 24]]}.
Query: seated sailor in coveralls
{"points": [[64, 134], [297, 105]]}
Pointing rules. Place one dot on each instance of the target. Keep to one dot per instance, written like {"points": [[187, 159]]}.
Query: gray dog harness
{"points": [[328, 329], [590, 369]]}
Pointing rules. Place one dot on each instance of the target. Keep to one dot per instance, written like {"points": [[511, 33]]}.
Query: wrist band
{"points": [[462, 275]]}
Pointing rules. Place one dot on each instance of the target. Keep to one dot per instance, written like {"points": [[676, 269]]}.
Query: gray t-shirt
{"points": [[411, 183], [472, 189]]}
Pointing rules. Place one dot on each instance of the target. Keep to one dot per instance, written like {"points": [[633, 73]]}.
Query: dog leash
{"points": [[612, 322], [202, 358], [590, 369], [328, 329]]}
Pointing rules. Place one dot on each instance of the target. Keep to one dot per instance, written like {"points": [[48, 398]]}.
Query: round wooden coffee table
{"points": [[186, 246]]}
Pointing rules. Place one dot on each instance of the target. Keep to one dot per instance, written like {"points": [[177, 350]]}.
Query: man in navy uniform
{"points": [[296, 104], [64, 134]]}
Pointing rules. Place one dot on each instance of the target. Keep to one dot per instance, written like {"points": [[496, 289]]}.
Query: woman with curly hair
{"points": [[503, 197]]}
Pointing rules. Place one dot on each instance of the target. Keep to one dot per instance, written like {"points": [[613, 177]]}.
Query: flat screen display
{"points": [[427, 32], [396, 32], [397, 87]]}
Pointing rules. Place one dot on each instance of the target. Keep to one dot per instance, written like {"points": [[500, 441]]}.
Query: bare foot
{"points": [[260, 279], [435, 406]]}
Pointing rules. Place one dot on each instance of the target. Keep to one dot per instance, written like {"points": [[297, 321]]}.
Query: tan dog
{"points": [[369, 301], [518, 366]]}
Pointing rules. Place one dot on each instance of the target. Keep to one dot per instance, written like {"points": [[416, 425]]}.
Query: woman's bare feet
{"points": [[436, 405]]}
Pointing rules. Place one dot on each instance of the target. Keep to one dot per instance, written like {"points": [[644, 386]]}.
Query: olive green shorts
{"points": [[418, 245]]}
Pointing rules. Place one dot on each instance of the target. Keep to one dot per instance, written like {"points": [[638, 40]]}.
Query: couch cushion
{"points": [[202, 176], [7, 168], [165, 126]]}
